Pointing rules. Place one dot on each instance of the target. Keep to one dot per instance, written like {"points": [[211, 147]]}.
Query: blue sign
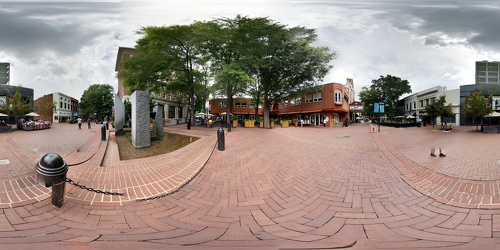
{"points": [[378, 108]]}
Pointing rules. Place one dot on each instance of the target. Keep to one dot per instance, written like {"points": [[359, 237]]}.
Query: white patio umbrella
{"points": [[494, 114], [2, 115], [32, 114]]}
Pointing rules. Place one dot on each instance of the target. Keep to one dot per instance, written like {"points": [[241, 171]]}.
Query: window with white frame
{"points": [[292, 102], [222, 104], [317, 97], [240, 104], [338, 97], [284, 104], [298, 101], [309, 98]]}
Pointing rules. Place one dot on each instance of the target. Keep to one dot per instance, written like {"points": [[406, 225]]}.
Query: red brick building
{"points": [[42, 107], [332, 101]]}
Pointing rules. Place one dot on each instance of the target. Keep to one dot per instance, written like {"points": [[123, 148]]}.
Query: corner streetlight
{"points": [[380, 106]]}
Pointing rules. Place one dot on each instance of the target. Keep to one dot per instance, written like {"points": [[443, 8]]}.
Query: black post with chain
{"points": [[70, 181]]}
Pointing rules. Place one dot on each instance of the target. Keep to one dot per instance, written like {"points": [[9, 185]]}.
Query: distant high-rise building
{"points": [[487, 72], [4, 73]]}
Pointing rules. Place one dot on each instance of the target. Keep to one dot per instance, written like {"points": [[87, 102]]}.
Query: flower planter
{"points": [[235, 123], [285, 124], [249, 124]]}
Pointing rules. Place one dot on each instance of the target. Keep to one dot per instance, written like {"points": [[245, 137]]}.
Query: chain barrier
{"points": [[169, 193], [70, 181]]}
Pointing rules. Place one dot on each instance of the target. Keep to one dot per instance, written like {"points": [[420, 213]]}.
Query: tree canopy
{"points": [[97, 99], [168, 59], [237, 52], [476, 106], [439, 109], [15, 105], [387, 89]]}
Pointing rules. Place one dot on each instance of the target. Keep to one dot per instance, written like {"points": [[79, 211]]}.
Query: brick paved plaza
{"points": [[283, 188]]}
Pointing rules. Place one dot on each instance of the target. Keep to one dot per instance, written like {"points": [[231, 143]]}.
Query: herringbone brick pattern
{"points": [[286, 188]]}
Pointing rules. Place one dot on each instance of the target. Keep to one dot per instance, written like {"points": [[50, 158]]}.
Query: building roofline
{"points": [[121, 50]]}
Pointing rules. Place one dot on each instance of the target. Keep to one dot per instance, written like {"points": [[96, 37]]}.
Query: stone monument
{"points": [[141, 136], [159, 120], [119, 118]]}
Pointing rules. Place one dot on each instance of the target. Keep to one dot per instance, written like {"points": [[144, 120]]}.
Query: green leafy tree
{"points": [[255, 91], [168, 58], [15, 105], [284, 60], [386, 89], [439, 109], [368, 96], [476, 107], [203, 90], [230, 80], [98, 99], [225, 43], [128, 109]]}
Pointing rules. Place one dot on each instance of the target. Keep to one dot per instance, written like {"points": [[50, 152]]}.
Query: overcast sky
{"points": [[65, 46]]}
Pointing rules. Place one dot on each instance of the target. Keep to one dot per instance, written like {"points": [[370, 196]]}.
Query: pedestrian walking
{"points": [[79, 123], [88, 122], [441, 152]]}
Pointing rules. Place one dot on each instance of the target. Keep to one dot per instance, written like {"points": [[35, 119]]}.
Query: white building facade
{"points": [[415, 104], [63, 108]]}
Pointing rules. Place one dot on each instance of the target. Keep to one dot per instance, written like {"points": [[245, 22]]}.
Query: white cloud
{"points": [[64, 46]]}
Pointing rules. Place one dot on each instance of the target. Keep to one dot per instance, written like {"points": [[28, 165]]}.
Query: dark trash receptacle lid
{"points": [[51, 165]]}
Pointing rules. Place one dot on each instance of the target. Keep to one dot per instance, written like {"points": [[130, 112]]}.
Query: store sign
{"points": [[64, 113], [356, 107], [379, 108], [495, 103]]}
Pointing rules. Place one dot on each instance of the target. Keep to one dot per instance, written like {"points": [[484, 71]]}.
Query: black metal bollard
{"points": [[220, 139], [103, 132], [228, 126], [189, 124], [51, 171]]}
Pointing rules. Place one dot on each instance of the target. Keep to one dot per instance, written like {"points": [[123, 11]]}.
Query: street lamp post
{"points": [[377, 105]]}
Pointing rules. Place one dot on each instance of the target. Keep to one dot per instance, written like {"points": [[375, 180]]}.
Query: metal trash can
{"points": [[51, 171], [103, 132]]}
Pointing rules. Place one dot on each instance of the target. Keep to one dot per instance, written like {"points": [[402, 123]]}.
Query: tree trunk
{"points": [[266, 113], [229, 106]]}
